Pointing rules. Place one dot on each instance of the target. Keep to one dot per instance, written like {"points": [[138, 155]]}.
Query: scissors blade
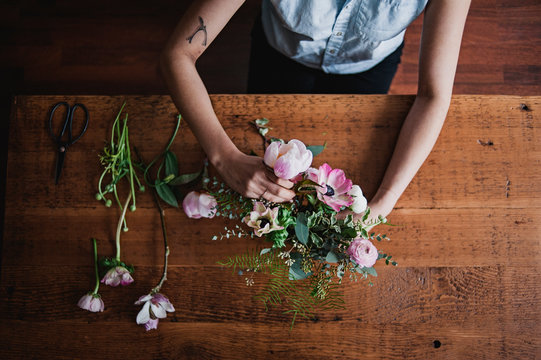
{"points": [[59, 164]]}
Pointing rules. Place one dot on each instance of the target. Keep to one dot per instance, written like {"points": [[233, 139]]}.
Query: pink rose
{"points": [[288, 160], [197, 205], [363, 252], [334, 186]]}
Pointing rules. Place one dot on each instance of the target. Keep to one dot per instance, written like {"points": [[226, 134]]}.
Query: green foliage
{"points": [[317, 149], [230, 203], [302, 297]]}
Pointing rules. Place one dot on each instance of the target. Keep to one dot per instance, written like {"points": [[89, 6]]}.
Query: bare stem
{"points": [[119, 227]]}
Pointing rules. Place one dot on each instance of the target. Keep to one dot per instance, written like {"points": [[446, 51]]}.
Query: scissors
{"points": [[63, 145]]}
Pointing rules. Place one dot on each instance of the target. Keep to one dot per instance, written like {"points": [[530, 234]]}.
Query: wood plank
{"points": [[188, 340], [461, 166], [426, 237], [499, 296]]}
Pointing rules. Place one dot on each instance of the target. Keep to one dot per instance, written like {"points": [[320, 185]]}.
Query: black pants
{"points": [[271, 72]]}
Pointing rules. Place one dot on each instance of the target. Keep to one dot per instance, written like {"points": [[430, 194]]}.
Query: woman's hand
{"points": [[250, 177]]}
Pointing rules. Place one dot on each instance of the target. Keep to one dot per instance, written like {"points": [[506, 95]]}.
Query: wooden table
{"points": [[468, 240]]}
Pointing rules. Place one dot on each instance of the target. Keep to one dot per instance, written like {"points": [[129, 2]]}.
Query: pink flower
{"points": [[288, 160], [197, 205], [263, 220], [154, 307], [334, 186], [91, 302], [359, 201], [363, 252], [118, 275]]}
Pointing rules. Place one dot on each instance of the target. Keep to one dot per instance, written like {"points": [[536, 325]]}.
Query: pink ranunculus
{"points": [[288, 160], [117, 275], [359, 201], [363, 252], [155, 307], [334, 186], [91, 302], [197, 205], [262, 219]]}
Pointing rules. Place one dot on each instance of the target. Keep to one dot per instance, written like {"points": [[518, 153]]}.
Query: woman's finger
{"points": [[275, 179]]}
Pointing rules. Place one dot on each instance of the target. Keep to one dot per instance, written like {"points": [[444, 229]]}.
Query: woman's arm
{"points": [[195, 32], [440, 44]]}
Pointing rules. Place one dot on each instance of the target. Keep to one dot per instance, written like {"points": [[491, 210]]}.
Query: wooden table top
{"points": [[467, 243]]}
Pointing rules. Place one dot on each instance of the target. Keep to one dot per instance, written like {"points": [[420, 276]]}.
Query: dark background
{"points": [[112, 47]]}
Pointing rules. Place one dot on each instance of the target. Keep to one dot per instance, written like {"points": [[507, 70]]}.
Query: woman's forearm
{"points": [[191, 98], [415, 141]]}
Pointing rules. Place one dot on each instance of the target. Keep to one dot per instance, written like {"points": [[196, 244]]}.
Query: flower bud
{"points": [[168, 178], [99, 197], [109, 188], [108, 203], [132, 207], [142, 188], [125, 229]]}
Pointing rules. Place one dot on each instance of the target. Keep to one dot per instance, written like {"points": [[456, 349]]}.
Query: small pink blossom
{"points": [[262, 219], [155, 307], [288, 160], [334, 186], [117, 275], [363, 252], [91, 302], [197, 205]]}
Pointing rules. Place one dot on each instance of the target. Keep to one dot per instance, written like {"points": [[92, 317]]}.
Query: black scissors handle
{"points": [[68, 124], [62, 145]]}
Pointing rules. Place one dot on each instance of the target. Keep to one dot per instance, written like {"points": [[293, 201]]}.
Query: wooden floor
{"points": [[111, 47], [99, 47]]}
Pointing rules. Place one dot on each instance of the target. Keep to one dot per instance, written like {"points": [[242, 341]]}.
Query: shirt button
{"points": [[339, 33], [332, 51]]}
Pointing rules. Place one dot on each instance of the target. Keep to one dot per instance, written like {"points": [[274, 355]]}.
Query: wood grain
{"points": [[466, 240]]}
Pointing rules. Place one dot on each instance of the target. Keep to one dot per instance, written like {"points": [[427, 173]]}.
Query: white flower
{"points": [[359, 201], [155, 307]]}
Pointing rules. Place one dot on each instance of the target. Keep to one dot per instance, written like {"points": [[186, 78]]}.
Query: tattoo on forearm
{"points": [[202, 27]]}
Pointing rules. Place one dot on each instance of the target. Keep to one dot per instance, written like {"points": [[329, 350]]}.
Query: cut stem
{"points": [[95, 246], [119, 227]]}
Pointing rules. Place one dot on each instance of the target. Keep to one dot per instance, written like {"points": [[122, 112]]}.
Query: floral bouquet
{"points": [[320, 236]]}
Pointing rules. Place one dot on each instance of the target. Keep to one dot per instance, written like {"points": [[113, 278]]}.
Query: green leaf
{"points": [[264, 251], [331, 257], [316, 149], [349, 232], [301, 228], [166, 194], [366, 213], [316, 239], [263, 131], [370, 271], [295, 270], [185, 178], [171, 164]]}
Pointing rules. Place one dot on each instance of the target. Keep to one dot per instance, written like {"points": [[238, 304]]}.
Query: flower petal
{"points": [[190, 204], [271, 153], [151, 324], [143, 299], [144, 315], [157, 310]]}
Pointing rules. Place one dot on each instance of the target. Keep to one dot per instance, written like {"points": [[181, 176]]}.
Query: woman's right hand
{"points": [[250, 177]]}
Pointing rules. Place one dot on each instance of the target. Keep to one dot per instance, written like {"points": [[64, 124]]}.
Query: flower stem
{"points": [[165, 244], [162, 218], [119, 227], [96, 267]]}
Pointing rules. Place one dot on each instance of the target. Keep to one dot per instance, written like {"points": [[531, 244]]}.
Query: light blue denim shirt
{"points": [[338, 36]]}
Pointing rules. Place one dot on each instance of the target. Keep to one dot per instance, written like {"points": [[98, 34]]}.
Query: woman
{"points": [[341, 39]]}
